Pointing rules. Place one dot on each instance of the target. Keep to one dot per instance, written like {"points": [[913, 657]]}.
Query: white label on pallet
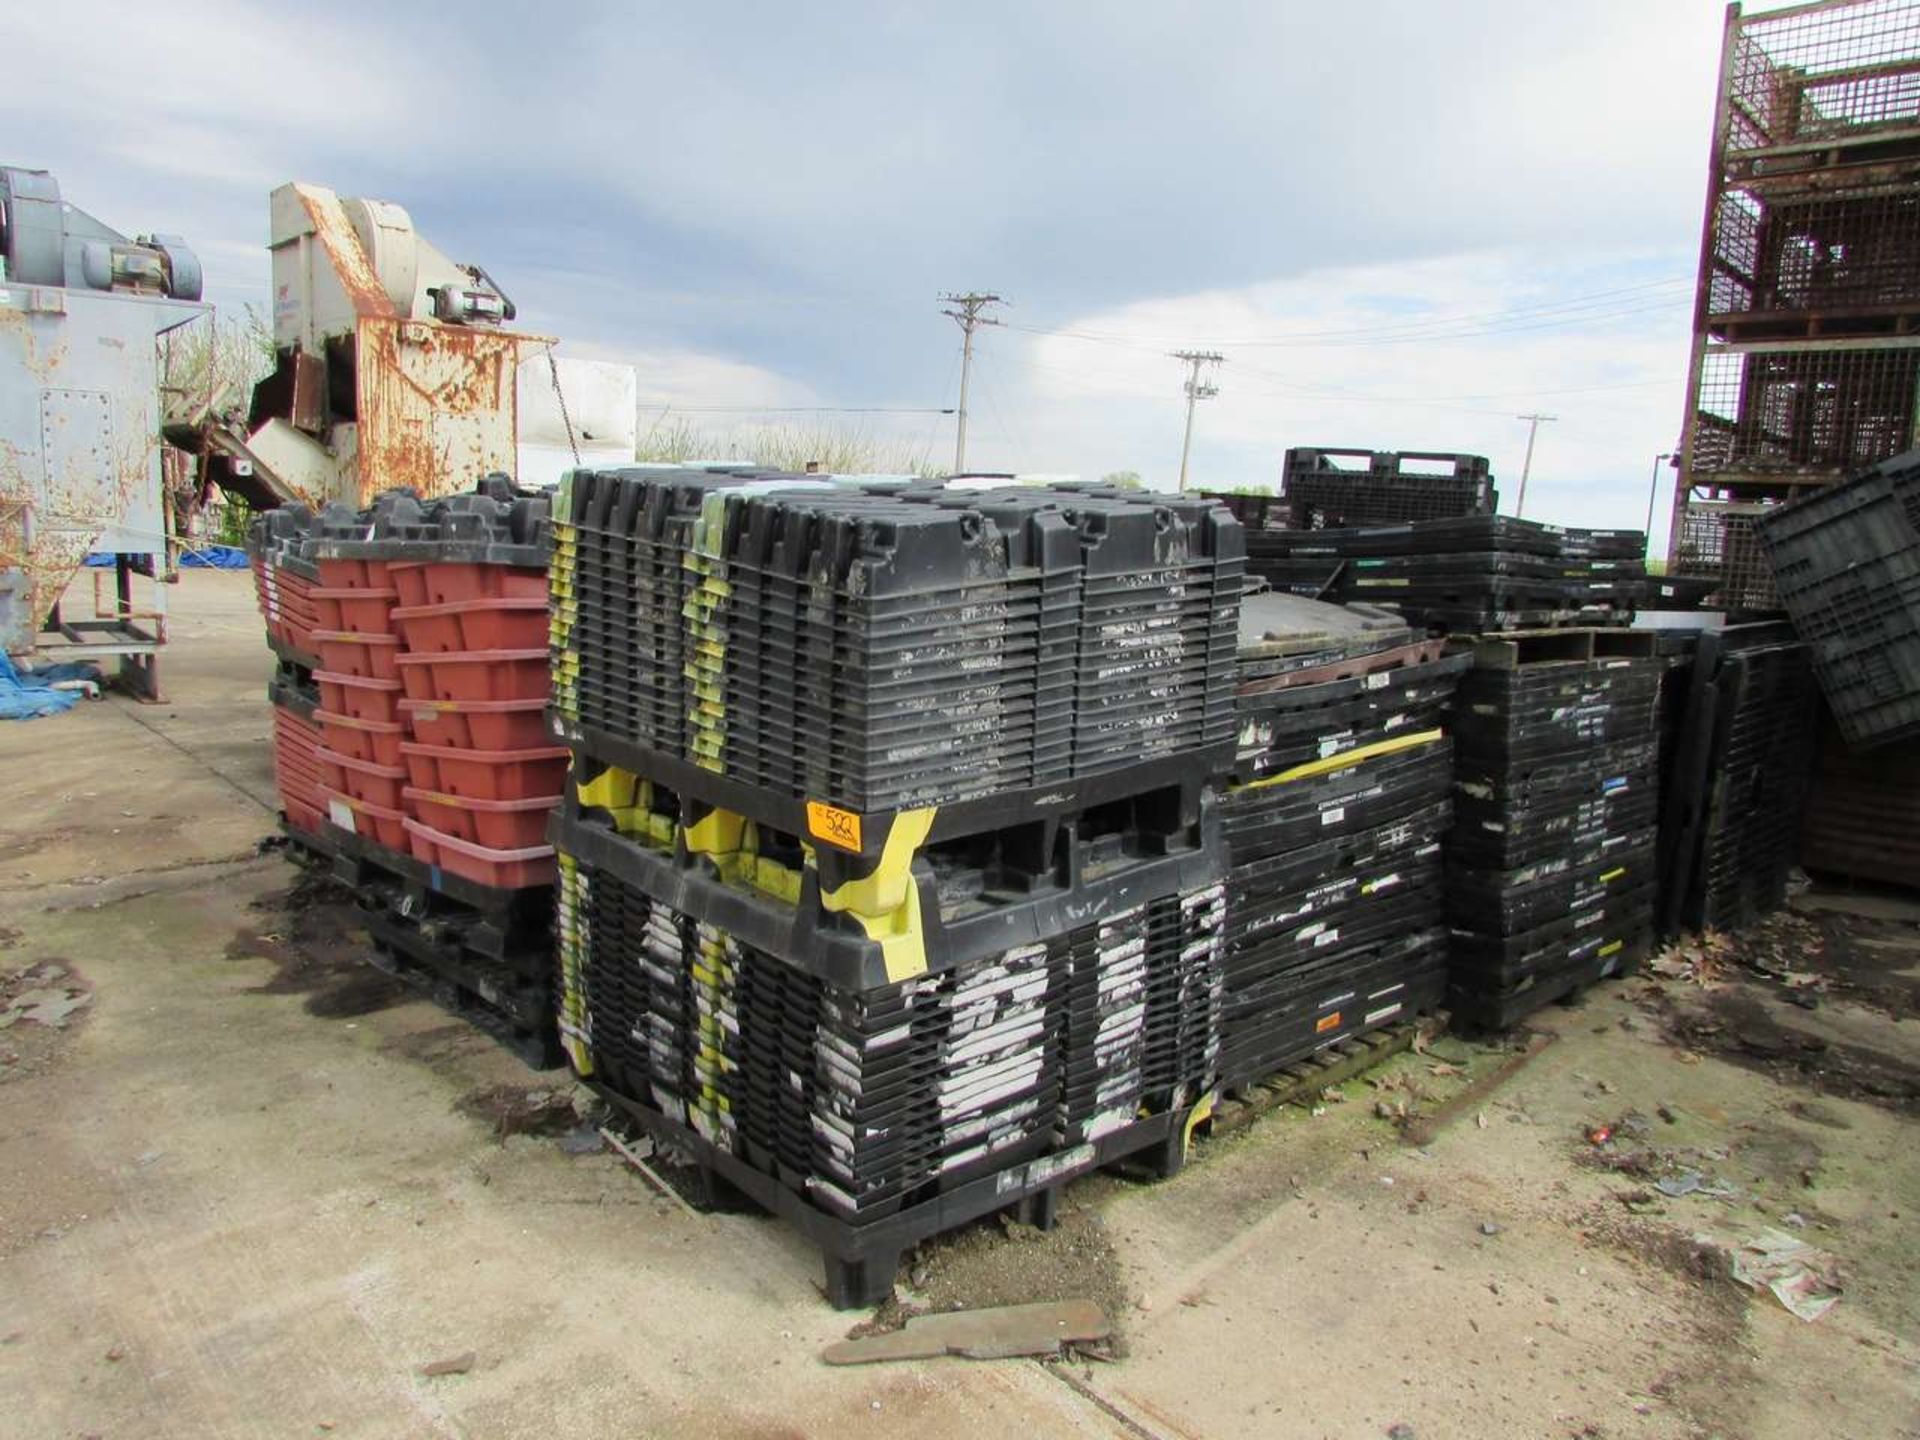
{"points": [[1333, 816], [341, 814]]}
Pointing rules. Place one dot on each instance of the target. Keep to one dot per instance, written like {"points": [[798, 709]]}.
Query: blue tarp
{"points": [[207, 557], [31, 695]]}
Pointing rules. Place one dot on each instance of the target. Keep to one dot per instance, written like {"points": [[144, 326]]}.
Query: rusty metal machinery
{"points": [[393, 366], [81, 460], [1806, 335]]}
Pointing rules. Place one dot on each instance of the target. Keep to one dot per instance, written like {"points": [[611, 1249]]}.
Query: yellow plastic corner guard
{"points": [[887, 902], [886, 887], [1348, 758], [1196, 1117], [612, 789], [718, 833], [903, 944]]}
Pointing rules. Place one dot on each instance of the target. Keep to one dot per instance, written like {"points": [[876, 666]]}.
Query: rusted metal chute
{"points": [[394, 367]]}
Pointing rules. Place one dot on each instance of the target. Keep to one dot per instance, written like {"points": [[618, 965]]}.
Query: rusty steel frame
{"points": [[1850, 97]]}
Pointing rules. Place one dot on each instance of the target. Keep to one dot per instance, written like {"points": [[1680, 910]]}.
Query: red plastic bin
{"points": [[478, 724], [377, 823], [487, 774], [448, 580], [362, 697], [375, 740], [511, 622], [304, 816], [365, 612], [369, 656], [364, 780], [502, 869], [353, 574], [476, 675], [409, 581], [496, 824]]}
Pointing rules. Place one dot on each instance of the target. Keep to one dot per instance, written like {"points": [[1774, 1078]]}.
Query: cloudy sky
{"points": [[1403, 223]]}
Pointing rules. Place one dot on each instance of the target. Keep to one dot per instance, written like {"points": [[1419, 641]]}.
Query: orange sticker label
{"points": [[833, 825], [1326, 1023]]}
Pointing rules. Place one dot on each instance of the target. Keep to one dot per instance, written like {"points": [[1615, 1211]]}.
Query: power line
{"points": [[813, 409], [969, 318], [1197, 390]]}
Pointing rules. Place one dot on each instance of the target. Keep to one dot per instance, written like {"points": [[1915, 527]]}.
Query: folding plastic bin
{"points": [[363, 779], [514, 622], [478, 724], [496, 824], [487, 774], [361, 697], [448, 582], [477, 675], [378, 823], [376, 740], [365, 612], [367, 656], [352, 574], [502, 869]]}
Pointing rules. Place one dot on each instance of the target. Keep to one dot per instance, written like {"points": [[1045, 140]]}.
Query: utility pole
{"points": [[1197, 390], [1534, 423], [969, 319]]}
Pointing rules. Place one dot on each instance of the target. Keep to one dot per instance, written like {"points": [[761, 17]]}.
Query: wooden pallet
{"points": [[1303, 1083]]}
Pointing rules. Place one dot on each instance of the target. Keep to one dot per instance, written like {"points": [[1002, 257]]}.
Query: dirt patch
{"points": [[1712, 1388], [521, 1109], [1872, 962], [1002, 1262], [43, 1005], [314, 940], [9, 937], [441, 1048], [1735, 1023]]}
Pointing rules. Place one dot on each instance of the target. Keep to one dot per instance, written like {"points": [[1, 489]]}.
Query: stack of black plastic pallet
{"points": [[1551, 860], [1744, 749], [1324, 488], [1466, 576], [1846, 564], [1335, 918], [891, 883]]}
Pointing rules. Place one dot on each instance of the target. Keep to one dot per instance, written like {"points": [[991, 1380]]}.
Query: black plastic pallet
{"points": [[1482, 1010], [861, 1260]]}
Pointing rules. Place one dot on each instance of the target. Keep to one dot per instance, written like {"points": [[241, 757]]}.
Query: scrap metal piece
{"points": [[998, 1333]]}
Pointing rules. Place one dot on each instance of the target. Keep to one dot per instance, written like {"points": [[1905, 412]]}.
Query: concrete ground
{"points": [[249, 1188]]}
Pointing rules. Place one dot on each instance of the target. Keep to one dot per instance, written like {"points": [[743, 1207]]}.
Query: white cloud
{"points": [[1599, 341]]}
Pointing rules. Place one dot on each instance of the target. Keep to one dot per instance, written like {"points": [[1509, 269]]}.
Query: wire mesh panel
{"points": [[1796, 410], [1823, 74], [1858, 254], [1718, 539]]}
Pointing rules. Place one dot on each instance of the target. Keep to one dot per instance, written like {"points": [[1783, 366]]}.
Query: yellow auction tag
{"points": [[833, 825]]}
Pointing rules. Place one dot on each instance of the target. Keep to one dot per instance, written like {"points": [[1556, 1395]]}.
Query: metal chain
{"points": [[553, 369]]}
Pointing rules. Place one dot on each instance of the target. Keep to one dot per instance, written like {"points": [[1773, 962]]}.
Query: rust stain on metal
{"points": [[350, 261], [42, 366], [437, 404]]}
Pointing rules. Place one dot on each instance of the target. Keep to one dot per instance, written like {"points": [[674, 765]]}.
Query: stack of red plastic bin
{"points": [[359, 713], [278, 548], [433, 682], [284, 578], [482, 773]]}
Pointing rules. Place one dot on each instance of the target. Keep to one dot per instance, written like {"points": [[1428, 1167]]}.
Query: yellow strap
{"points": [[881, 891], [1201, 1112], [1348, 759]]}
